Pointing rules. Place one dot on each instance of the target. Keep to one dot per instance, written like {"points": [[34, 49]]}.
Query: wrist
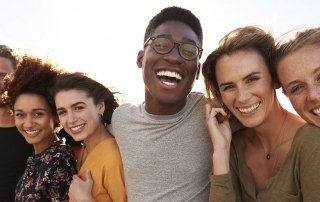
{"points": [[220, 160]]}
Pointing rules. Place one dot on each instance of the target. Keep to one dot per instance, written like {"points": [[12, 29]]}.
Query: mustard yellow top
{"points": [[105, 164]]}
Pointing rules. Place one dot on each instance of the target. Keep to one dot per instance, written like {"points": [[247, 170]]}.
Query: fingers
{"points": [[87, 175], [211, 113]]}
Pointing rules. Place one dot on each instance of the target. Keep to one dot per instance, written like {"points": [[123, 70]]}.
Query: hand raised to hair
{"points": [[220, 134], [80, 189]]}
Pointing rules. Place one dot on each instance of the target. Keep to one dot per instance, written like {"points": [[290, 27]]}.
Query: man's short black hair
{"points": [[177, 14]]}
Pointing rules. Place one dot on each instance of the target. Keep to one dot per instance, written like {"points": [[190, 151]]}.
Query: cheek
{"points": [[62, 120], [297, 102], [227, 99]]}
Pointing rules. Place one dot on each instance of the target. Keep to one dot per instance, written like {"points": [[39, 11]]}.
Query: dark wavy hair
{"points": [[174, 13], [94, 89], [249, 37], [7, 52], [32, 76]]}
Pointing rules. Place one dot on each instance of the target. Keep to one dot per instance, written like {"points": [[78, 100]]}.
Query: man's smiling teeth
{"points": [[249, 109], [76, 127], [32, 132], [316, 111], [169, 74]]}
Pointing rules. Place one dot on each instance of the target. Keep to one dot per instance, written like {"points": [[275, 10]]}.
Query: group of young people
{"points": [[172, 145]]}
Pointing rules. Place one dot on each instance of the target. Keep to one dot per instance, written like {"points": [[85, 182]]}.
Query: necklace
{"points": [[281, 137]]}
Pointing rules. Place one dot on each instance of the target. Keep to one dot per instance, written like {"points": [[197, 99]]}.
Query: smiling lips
{"points": [[32, 132], [249, 109], [169, 78], [76, 129], [316, 111]]}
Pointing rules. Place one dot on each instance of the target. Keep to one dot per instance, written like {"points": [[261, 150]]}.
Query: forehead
{"points": [[239, 64], [300, 63], [30, 101], [69, 97], [6, 65], [179, 31]]}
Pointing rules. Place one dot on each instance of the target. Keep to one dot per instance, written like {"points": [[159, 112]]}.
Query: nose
{"points": [[28, 121], [174, 56], [243, 95], [71, 117], [314, 94]]}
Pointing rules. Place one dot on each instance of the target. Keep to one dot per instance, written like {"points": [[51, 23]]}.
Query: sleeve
{"points": [[226, 188], [310, 167], [221, 188], [62, 168]]}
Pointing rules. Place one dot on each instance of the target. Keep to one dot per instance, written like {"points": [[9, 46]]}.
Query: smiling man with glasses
{"points": [[164, 143]]}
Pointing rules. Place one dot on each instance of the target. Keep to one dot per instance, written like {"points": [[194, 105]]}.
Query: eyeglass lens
{"points": [[163, 46]]}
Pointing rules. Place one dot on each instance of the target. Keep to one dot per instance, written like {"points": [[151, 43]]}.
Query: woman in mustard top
{"points": [[84, 108]]}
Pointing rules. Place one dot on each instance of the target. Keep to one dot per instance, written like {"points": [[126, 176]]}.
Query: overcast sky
{"points": [[102, 38]]}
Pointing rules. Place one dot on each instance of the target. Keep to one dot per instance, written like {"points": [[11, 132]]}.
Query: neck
{"points": [[43, 145], [6, 118], [99, 135], [268, 133]]}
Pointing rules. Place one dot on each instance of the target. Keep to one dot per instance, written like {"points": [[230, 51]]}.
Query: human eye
{"points": [[78, 108], [252, 79], [162, 44], [38, 114], [61, 112], [297, 89], [227, 87], [19, 115], [318, 78], [188, 50]]}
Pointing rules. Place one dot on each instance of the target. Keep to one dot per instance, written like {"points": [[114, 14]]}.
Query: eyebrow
{"points": [[297, 81], [245, 78], [36, 109], [316, 70], [183, 39], [73, 105]]}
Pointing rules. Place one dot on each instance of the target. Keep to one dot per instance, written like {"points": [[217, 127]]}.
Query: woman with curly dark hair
{"points": [[49, 170]]}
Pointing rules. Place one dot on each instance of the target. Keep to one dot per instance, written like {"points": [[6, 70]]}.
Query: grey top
{"points": [[165, 157]]}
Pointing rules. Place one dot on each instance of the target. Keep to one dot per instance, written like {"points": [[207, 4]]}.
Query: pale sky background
{"points": [[102, 38]]}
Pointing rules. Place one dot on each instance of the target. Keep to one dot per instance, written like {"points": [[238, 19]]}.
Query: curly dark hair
{"points": [[249, 37], [32, 76], [7, 52], [94, 89], [177, 14]]}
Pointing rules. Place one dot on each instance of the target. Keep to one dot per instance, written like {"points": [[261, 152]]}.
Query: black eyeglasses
{"points": [[163, 45]]}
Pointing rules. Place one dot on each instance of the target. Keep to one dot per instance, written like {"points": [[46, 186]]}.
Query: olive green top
{"points": [[297, 179]]}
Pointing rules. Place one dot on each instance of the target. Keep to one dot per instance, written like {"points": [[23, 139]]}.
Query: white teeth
{"points": [[316, 111], [168, 83], [249, 109], [76, 127], [32, 132], [169, 74]]}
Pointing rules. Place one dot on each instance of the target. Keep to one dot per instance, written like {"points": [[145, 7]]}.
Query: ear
{"points": [[101, 107], [198, 71], [140, 58]]}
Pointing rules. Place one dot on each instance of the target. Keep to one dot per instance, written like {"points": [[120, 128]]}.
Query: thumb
{"points": [[87, 175]]}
